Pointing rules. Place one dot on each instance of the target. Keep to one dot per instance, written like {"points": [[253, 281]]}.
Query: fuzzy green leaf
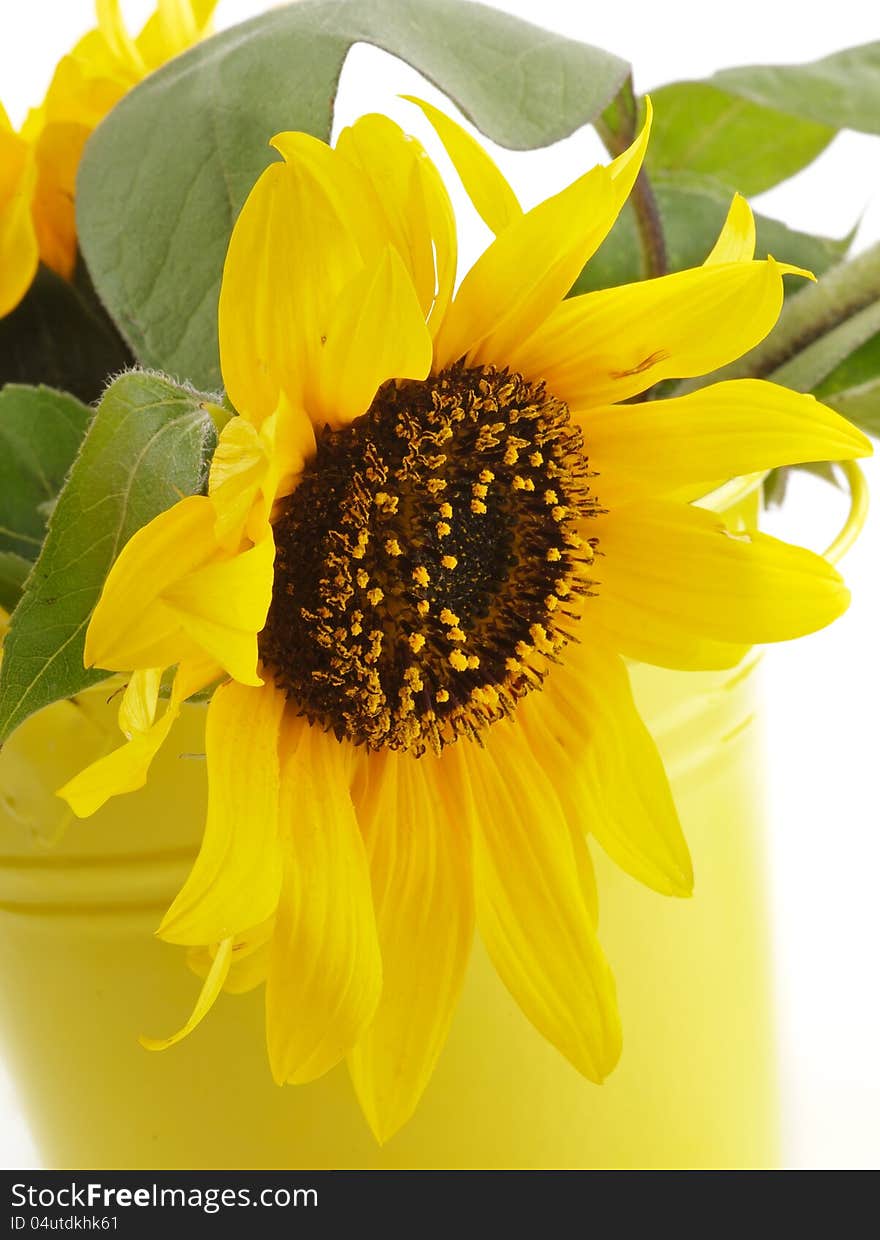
{"points": [[40, 434], [146, 447], [155, 215]]}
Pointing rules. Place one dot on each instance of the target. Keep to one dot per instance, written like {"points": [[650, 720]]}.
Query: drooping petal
{"points": [[527, 271], [377, 331], [325, 970], [291, 253], [679, 447], [207, 997], [672, 576], [223, 606], [173, 594], [609, 774], [236, 879], [606, 346], [126, 769], [485, 184], [239, 471], [250, 959], [418, 848], [531, 907], [736, 241]]}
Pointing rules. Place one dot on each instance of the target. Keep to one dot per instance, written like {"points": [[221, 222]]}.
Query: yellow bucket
{"points": [[82, 976]]}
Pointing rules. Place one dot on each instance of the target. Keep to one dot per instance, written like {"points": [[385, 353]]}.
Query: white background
{"points": [[822, 693]]}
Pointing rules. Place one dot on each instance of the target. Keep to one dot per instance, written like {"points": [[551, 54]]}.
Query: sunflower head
{"points": [[433, 534]]}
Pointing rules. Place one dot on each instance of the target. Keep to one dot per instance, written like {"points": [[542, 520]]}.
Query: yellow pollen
{"points": [[443, 528], [458, 661], [536, 460], [446, 509], [449, 561], [554, 555], [550, 497], [363, 578], [479, 490], [449, 617], [486, 476], [375, 596], [559, 513], [392, 546], [423, 607], [455, 635], [473, 660], [442, 695], [420, 576], [416, 642], [478, 506]]}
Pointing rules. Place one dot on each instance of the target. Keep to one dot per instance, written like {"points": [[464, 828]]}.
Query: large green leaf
{"points": [[841, 90], [146, 447], [700, 128], [165, 175], [692, 210], [60, 335], [40, 433]]}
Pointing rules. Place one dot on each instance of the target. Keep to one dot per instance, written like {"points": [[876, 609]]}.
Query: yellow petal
{"points": [[250, 959], [671, 575], [736, 241], [291, 254], [325, 971], [174, 594], [137, 711], [531, 909], [402, 203], [223, 607], [419, 855], [236, 879], [207, 997], [526, 272], [626, 167], [126, 769], [123, 47], [239, 468], [376, 332], [681, 446], [611, 777], [19, 251], [485, 184], [603, 347]]}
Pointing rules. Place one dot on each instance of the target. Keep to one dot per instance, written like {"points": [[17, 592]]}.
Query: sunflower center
{"points": [[430, 560]]}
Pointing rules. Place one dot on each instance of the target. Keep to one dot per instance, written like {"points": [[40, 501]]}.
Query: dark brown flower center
{"points": [[430, 563]]}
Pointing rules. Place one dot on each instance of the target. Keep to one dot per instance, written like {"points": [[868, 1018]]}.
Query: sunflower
{"points": [[38, 165], [433, 535]]}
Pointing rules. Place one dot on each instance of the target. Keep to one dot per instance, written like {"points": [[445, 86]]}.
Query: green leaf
{"points": [[40, 433], [701, 128], [13, 574], [842, 90], [146, 447], [61, 336], [154, 215], [692, 210]]}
